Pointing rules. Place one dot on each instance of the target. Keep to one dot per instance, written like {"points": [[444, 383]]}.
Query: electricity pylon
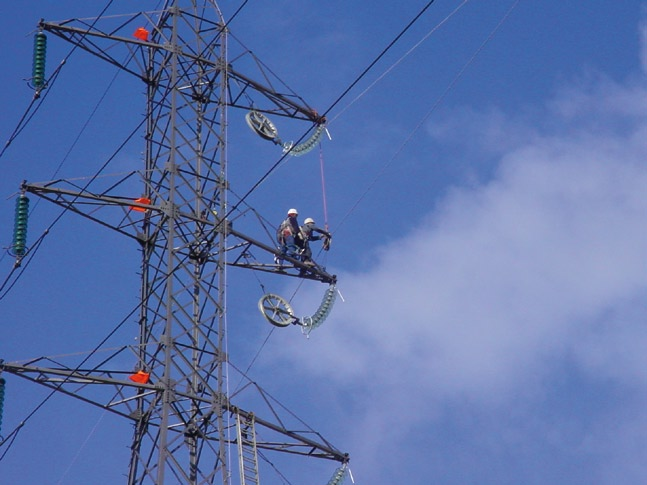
{"points": [[184, 421]]}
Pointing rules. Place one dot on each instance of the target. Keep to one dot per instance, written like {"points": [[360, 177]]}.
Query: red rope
{"points": [[323, 187]]}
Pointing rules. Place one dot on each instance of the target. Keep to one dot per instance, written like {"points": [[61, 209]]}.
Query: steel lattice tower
{"points": [[182, 417]]}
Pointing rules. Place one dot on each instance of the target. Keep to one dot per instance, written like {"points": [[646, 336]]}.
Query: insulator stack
{"points": [[38, 66], [308, 145], [19, 245], [323, 311], [2, 386], [338, 477]]}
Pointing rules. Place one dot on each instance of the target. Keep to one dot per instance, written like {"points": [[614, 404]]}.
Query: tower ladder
{"points": [[247, 455]]}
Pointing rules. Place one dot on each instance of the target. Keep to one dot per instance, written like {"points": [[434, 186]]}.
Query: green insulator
{"points": [[19, 245], [2, 385], [38, 66]]}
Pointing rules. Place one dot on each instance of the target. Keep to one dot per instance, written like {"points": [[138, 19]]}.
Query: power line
{"points": [[433, 108], [27, 116], [334, 103], [376, 60]]}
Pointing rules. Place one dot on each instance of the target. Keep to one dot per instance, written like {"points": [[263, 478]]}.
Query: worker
{"points": [[307, 234], [287, 235]]}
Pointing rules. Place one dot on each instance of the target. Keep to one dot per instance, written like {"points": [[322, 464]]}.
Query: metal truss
{"points": [[186, 231]]}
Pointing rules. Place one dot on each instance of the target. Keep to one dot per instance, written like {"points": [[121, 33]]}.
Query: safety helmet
{"points": [[309, 220], [293, 211]]}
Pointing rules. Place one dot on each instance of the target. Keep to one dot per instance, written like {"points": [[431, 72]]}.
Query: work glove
{"points": [[326, 242]]}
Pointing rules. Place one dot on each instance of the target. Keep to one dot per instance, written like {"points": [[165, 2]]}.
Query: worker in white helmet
{"points": [[307, 234], [288, 233]]}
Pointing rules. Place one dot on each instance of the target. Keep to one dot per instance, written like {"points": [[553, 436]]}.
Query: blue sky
{"points": [[488, 207]]}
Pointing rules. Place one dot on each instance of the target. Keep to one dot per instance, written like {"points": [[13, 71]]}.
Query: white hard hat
{"points": [[293, 211], [309, 220]]}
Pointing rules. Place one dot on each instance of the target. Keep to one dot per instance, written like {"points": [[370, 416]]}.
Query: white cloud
{"points": [[540, 269], [480, 131], [503, 274]]}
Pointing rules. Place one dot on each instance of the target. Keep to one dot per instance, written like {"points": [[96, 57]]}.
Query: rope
{"points": [[323, 187], [284, 155], [78, 453], [321, 159], [339, 98], [252, 189]]}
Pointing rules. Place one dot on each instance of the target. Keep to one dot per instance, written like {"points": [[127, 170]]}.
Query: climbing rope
{"points": [[2, 388], [323, 187]]}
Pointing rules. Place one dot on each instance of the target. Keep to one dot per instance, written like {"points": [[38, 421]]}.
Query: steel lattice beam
{"points": [[181, 416]]}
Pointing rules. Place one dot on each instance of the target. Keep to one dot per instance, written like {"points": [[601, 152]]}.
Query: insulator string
{"points": [[19, 244], [28, 115], [38, 66]]}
